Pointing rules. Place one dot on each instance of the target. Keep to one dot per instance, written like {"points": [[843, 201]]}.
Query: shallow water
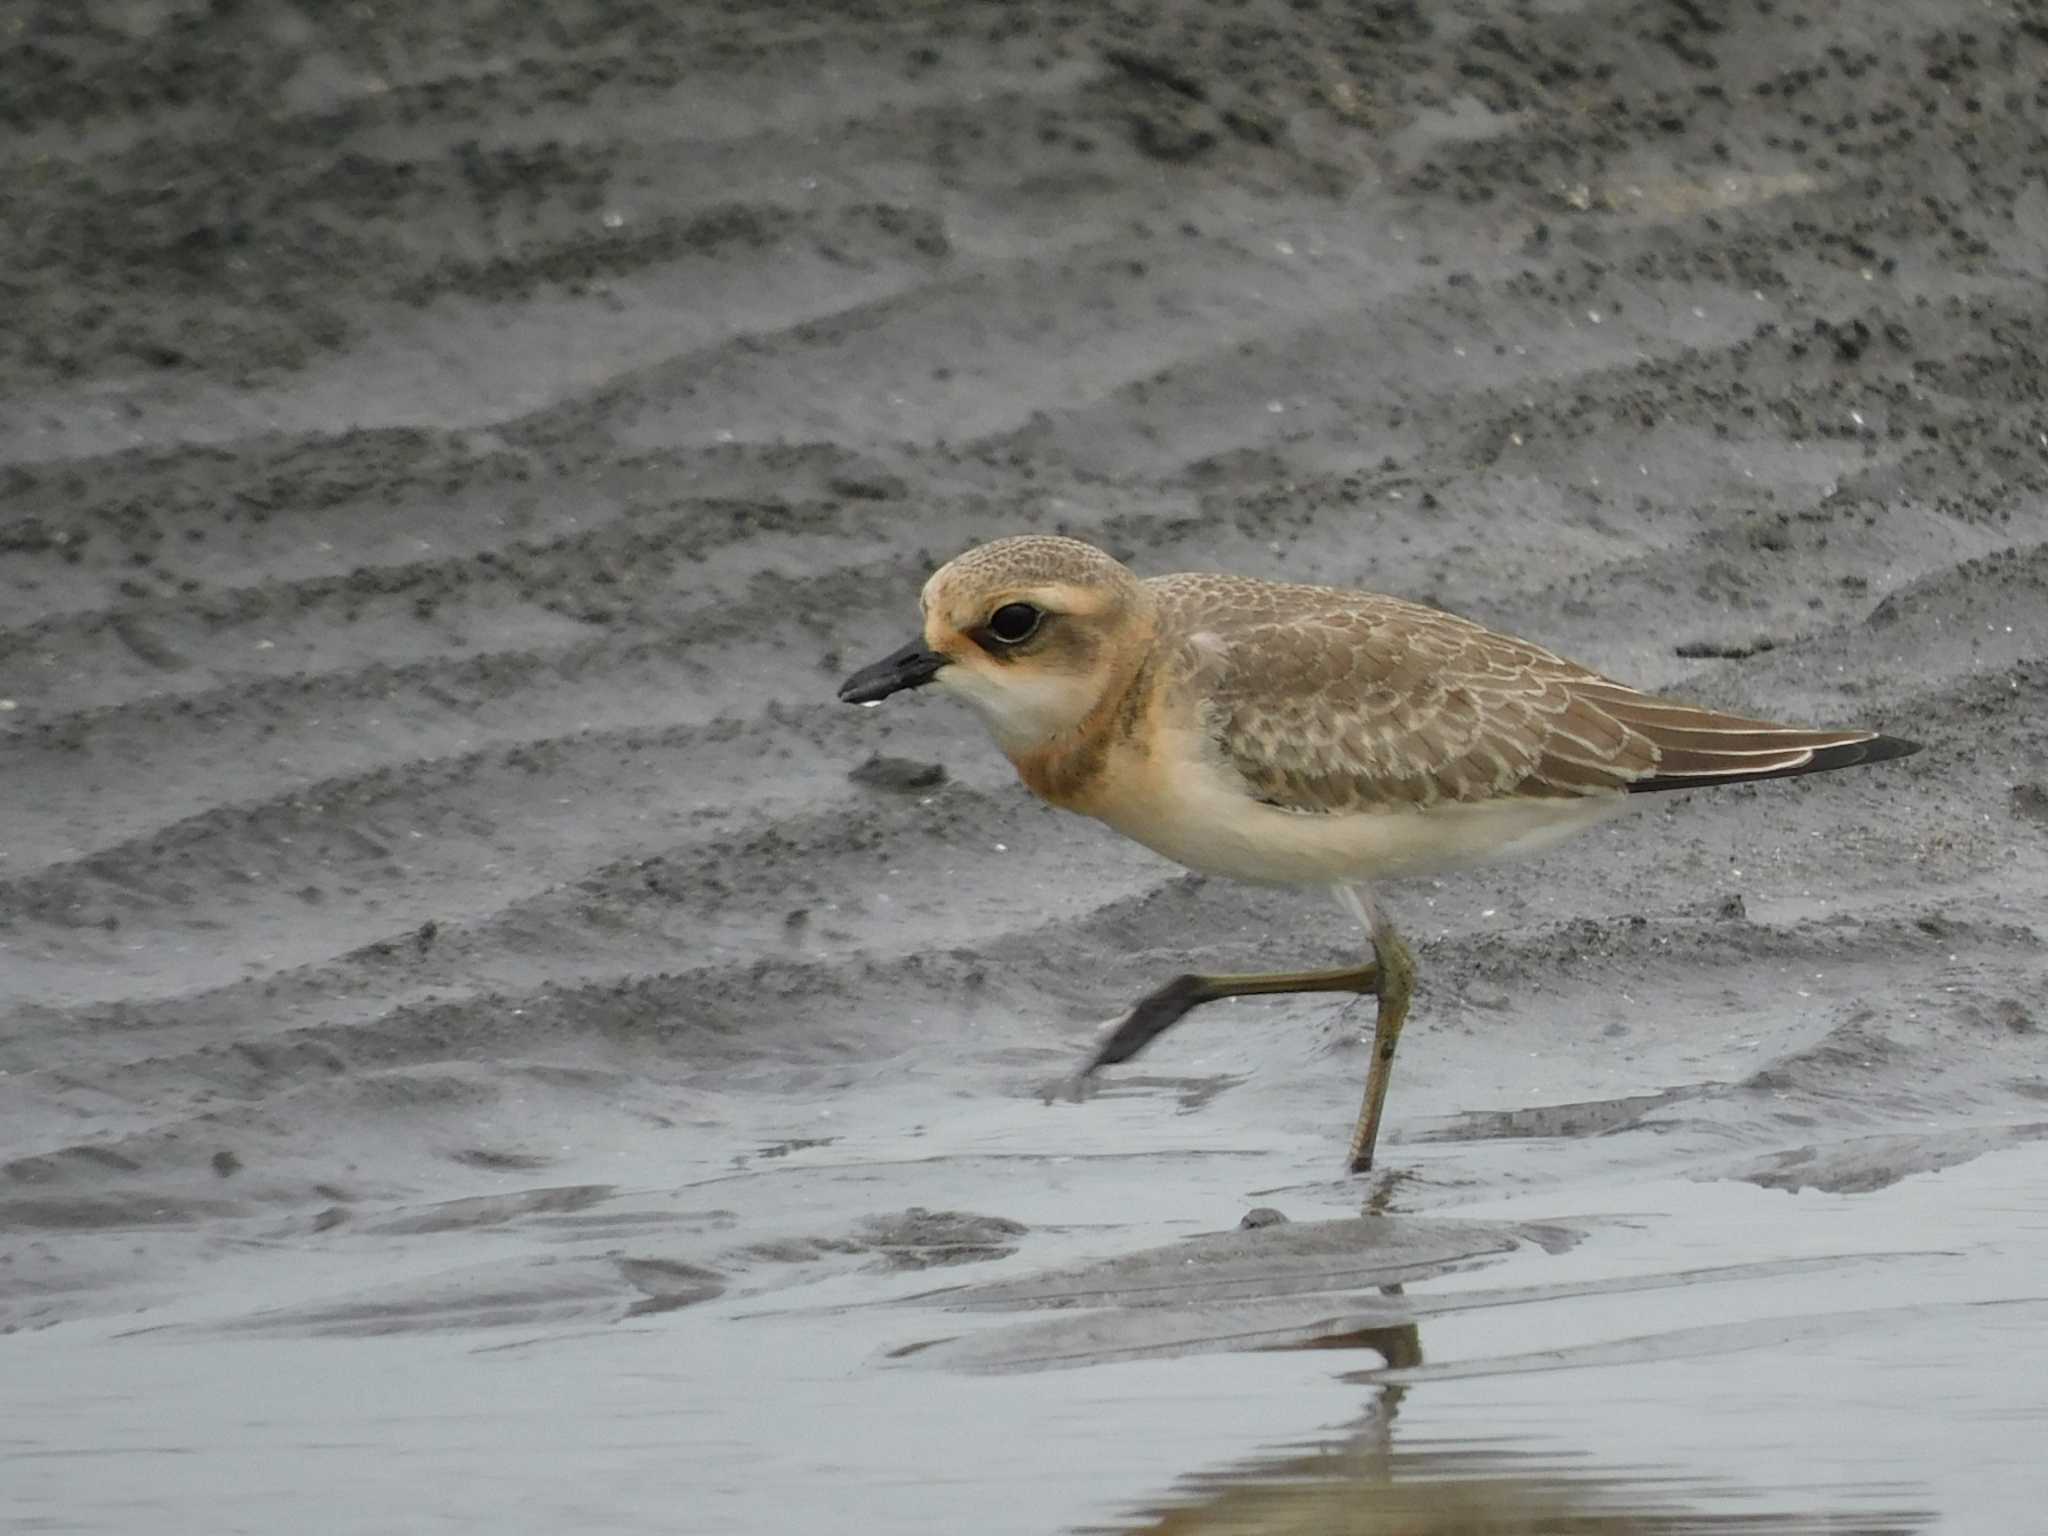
{"points": [[1711, 1351]]}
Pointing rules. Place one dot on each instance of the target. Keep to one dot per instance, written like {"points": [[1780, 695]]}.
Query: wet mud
{"points": [[473, 1006]]}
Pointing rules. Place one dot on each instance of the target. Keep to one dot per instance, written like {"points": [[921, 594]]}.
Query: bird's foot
{"points": [[1075, 1085], [1071, 1089]]}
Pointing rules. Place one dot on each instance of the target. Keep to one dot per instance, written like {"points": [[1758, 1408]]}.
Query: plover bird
{"points": [[1305, 735]]}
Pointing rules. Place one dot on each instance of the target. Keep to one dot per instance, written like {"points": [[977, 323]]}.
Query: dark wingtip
{"points": [[1881, 749], [1854, 754], [1848, 754]]}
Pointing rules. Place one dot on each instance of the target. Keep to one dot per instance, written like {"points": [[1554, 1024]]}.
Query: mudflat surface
{"points": [[485, 1037]]}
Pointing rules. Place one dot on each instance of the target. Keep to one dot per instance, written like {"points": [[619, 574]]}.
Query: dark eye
{"points": [[1013, 622]]}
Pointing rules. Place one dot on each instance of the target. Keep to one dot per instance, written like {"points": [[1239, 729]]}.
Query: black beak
{"points": [[911, 667]]}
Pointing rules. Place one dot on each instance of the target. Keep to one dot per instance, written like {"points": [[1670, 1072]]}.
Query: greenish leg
{"points": [[1390, 975], [1159, 1011], [1396, 970]]}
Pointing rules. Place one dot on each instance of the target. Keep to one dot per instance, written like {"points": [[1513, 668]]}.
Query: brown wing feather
{"points": [[1326, 700]]}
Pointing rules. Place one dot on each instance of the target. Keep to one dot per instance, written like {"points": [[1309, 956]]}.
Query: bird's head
{"points": [[1031, 631]]}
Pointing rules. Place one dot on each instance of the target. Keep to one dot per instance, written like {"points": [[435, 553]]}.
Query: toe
{"points": [[1072, 1088]]}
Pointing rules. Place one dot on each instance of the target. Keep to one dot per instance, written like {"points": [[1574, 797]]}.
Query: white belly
{"points": [[1208, 825]]}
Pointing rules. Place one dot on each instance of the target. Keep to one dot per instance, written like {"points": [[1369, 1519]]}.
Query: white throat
{"points": [[1023, 712]]}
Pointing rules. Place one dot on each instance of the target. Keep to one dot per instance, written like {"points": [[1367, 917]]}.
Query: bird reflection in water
{"points": [[1363, 1484]]}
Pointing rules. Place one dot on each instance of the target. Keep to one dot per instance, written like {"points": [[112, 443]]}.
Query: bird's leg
{"points": [[1395, 985], [1390, 975], [1159, 1011]]}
